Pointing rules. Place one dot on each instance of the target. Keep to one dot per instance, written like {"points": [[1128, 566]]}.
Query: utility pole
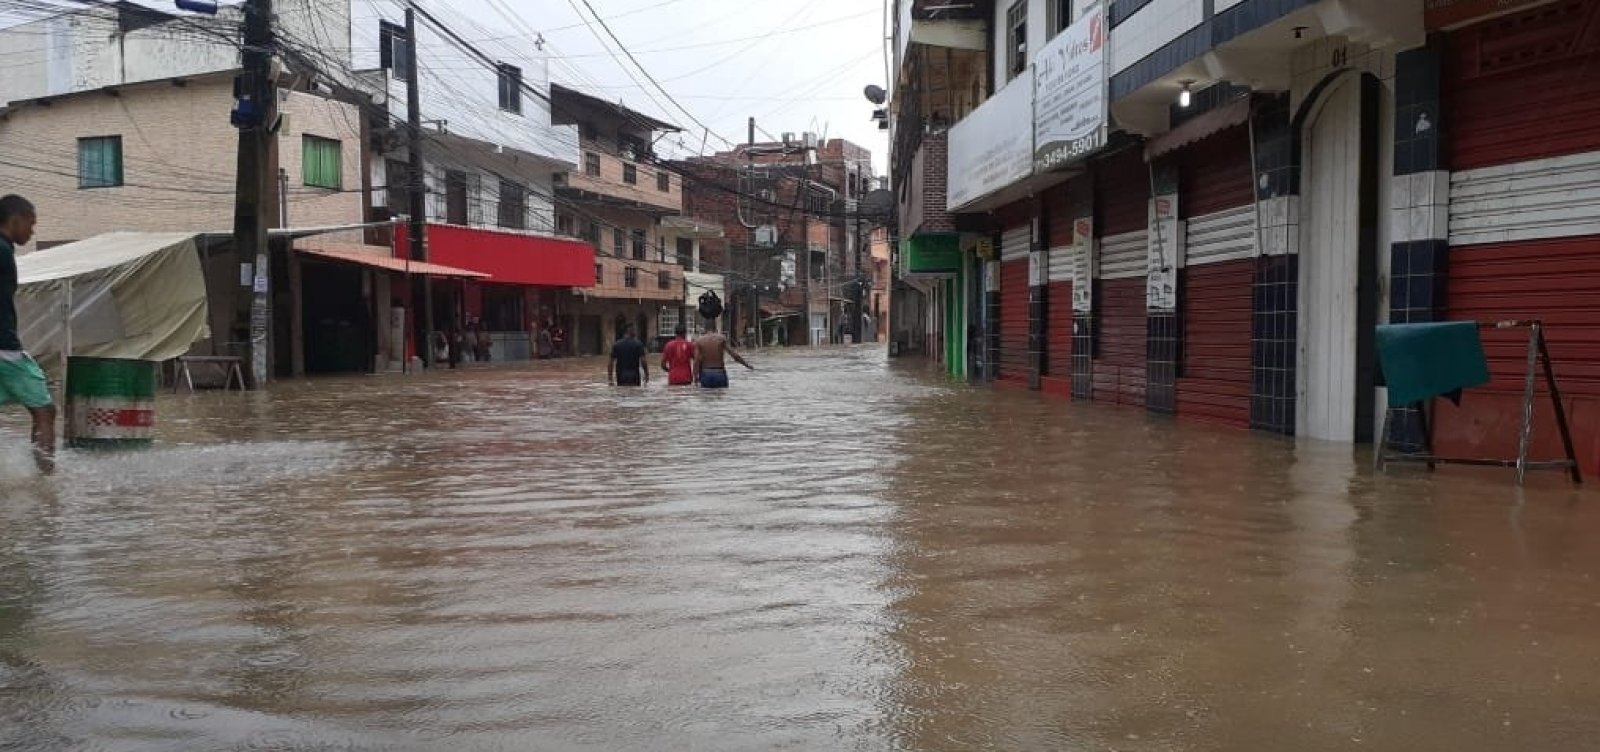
{"points": [[858, 295], [755, 284], [255, 114], [417, 184]]}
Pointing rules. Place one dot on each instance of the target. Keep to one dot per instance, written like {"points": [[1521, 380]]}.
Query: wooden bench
{"points": [[227, 365]]}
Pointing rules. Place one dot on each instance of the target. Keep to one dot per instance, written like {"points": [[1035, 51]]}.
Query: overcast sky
{"points": [[795, 66]]}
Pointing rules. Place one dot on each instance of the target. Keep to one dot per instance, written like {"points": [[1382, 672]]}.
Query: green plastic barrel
{"points": [[111, 404]]}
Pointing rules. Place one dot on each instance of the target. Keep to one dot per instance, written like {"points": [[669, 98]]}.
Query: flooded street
{"points": [[841, 553]]}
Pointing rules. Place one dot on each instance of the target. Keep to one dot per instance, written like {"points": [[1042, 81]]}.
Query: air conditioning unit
{"points": [[766, 236]]}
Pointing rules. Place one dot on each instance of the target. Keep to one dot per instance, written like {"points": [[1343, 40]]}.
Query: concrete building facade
{"points": [[1246, 190]]}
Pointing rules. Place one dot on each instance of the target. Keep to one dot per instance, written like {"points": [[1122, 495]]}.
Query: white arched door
{"points": [[1330, 265]]}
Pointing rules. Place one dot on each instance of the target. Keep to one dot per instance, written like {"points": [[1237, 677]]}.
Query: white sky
{"points": [[795, 66]]}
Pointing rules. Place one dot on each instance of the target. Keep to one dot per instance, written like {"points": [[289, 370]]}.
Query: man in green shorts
{"points": [[21, 379]]}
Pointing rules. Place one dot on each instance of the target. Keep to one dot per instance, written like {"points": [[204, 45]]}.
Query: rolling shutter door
{"points": [[1524, 86], [1120, 371], [1217, 201], [1524, 93], [1013, 365], [1558, 282], [1058, 332], [1122, 196], [1215, 383]]}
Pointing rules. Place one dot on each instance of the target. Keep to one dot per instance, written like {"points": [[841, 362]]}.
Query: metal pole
{"points": [[1525, 438], [750, 252], [257, 164], [417, 184], [1561, 410]]}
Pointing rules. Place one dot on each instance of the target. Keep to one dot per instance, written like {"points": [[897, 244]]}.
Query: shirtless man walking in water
{"points": [[710, 353]]}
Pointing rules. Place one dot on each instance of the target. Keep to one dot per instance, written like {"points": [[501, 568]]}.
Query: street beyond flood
{"points": [[843, 552]]}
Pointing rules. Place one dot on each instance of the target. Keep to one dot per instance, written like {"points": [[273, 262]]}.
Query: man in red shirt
{"points": [[677, 359]]}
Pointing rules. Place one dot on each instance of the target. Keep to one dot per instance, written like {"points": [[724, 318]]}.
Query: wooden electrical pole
{"points": [[256, 115], [417, 183]]}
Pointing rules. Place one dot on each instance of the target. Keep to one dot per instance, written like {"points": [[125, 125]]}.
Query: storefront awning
{"points": [[1215, 121], [510, 257], [378, 258]]}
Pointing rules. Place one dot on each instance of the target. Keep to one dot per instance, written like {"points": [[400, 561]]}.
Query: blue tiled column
{"points": [[1419, 213], [1275, 323], [1163, 332]]}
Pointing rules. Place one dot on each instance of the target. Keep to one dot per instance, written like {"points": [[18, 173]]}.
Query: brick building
{"points": [[788, 211]]}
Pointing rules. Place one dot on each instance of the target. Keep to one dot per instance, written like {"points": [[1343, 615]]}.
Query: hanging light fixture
{"points": [[1185, 97]]}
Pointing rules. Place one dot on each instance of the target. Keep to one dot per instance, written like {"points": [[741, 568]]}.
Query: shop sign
{"points": [[1165, 254], [991, 149], [1083, 271], [933, 254], [1069, 79]]}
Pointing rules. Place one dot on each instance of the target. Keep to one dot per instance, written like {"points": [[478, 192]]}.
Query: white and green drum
{"points": [[111, 404]]}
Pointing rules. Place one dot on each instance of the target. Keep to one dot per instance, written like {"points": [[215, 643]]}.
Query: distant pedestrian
{"points": [[628, 365], [484, 347], [545, 344], [711, 351], [441, 348], [21, 379], [677, 359]]}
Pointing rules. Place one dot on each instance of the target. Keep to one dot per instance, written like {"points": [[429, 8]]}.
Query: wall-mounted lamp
{"points": [[1185, 97]]}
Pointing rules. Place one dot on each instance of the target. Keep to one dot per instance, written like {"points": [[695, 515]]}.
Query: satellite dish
{"points": [[876, 94]]}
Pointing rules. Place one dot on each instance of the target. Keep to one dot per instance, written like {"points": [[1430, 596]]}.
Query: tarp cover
{"points": [[1423, 361], [137, 296]]}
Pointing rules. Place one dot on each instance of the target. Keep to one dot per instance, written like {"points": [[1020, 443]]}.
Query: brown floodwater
{"points": [[841, 553]]}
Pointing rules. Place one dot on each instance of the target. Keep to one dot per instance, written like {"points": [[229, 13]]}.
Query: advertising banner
{"points": [[1166, 254], [1070, 109], [987, 149], [1083, 271]]}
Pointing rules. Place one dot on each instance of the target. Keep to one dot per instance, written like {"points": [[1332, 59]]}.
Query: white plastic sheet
{"points": [[137, 296]]}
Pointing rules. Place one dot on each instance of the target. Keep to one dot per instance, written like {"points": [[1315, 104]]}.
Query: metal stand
{"points": [[1538, 352]]}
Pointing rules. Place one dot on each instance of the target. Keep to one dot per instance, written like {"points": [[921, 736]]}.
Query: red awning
{"points": [[509, 257], [1220, 119], [377, 258]]}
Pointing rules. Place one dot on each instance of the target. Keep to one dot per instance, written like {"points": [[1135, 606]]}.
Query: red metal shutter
{"points": [[1122, 193], [1120, 371], [1214, 173], [1013, 366], [1215, 177], [1524, 86], [1215, 381], [1558, 282], [1058, 340]]}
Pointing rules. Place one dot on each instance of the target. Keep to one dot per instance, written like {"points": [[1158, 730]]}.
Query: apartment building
{"points": [[1205, 208]]}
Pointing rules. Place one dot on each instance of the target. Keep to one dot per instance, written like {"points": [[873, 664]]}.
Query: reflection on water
{"points": [[839, 553]]}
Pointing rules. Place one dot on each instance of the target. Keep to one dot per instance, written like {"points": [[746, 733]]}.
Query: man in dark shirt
{"points": [[627, 366], [21, 379]]}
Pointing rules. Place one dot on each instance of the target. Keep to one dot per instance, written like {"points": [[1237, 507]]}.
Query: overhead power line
{"points": [[651, 77]]}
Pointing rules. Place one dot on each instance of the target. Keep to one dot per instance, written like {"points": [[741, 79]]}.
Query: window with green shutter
{"points": [[321, 164], [100, 162]]}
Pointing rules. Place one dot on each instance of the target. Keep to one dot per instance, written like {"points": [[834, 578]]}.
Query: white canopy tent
{"points": [[129, 295]]}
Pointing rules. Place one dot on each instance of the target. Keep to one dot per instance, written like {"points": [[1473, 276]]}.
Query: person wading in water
{"points": [[21, 379], [711, 351], [628, 366], [677, 359]]}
